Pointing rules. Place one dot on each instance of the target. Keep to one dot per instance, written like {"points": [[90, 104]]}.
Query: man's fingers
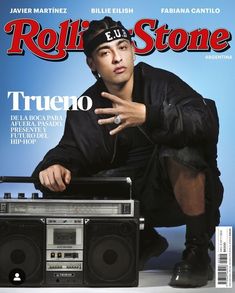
{"points": [[117, 129], [111, 97], [45, 181], [41, 178], [106, 121], [53, 182], [111, 111], [67, 177], [55, 178]]}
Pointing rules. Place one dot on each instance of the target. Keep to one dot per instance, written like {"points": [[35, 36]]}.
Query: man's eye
{"points": [[104, 53], [123, 47]]}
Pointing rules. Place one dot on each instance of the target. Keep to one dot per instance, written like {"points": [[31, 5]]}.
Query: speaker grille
{"points": [[111, 252], [21, 251]]}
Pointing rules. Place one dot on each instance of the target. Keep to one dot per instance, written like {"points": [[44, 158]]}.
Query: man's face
{"points": [[114, 61]]}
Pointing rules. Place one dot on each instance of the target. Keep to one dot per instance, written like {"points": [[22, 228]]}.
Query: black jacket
{"points": [[176, 117]]}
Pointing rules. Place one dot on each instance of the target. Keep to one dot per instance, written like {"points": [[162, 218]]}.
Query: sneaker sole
{"points": [[186, 279]]}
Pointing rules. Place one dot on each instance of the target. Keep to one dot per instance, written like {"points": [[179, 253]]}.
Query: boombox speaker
{"points": [[21, 251], [111, 252]]}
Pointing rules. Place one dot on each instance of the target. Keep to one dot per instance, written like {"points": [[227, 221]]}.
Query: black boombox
{"points": [[69, 243]]}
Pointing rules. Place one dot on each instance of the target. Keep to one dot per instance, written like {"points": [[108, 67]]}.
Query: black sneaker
{"points": [[152, 244], [194, 270]]}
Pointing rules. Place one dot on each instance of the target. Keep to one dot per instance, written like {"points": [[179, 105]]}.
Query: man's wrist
{"points": [[143, 113]]}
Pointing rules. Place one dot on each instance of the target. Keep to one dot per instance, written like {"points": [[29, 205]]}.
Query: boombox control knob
{"points": [[35, 195], [7, 195], [21, 195]]}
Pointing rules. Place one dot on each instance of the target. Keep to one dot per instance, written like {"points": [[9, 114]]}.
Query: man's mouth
{"points": [[119, 70]]}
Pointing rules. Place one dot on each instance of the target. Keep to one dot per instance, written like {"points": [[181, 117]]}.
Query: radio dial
{"points": [[21, 195], [7, 195], [35, 195]]}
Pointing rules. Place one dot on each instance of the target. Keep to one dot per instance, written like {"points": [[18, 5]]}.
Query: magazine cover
{"points": [[63, 113]]}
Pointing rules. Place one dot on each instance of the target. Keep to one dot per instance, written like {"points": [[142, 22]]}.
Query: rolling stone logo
{"points": [[51, 45]]}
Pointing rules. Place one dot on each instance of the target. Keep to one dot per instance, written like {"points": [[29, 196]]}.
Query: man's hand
{"points": [[130, 113], [55, 177]]}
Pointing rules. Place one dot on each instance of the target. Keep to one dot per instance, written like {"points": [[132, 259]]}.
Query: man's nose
{"points": [[117, 58]]}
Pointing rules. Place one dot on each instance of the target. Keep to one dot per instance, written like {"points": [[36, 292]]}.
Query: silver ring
{"points": [[117, 119]]}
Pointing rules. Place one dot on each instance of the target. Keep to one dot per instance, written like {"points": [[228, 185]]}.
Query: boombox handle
{"points": [[85, 180], [119, 187]]}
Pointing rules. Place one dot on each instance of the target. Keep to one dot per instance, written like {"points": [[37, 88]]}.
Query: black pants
{"points": [[152, 187]]}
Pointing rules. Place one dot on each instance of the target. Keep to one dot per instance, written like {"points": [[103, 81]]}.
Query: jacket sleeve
{"points": [[182, 118], [66, 153]]}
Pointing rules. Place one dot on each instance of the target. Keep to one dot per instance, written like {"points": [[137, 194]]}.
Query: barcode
{"points": [[223, 257], [222, 275]]}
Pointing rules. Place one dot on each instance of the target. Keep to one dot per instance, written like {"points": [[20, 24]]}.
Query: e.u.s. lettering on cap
{"points": [[105, 36]]}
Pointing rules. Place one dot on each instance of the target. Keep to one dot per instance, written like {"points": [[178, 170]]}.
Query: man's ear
{"points": [[90, 63], [133, 52]]}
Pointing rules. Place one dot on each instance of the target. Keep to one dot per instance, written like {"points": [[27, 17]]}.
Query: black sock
{"points": [[195, 226]]}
